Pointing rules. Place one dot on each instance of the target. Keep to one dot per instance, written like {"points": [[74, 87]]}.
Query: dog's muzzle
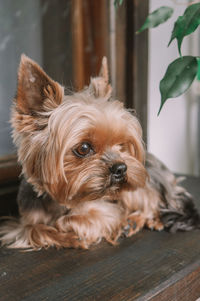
{"points": [[118, 172]]}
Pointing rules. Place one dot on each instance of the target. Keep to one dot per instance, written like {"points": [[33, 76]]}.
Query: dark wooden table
{"points": [[149, 266]]}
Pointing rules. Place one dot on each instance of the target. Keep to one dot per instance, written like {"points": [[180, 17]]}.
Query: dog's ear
{"points": [[100, 86], [36, 91]]}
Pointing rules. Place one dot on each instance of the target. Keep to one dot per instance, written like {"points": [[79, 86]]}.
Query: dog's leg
{"points": [[93, 221], [35, 228], [22, 235], [142, 210], [137, 221], [154, 224]]}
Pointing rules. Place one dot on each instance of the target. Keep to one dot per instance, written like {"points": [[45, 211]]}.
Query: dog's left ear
{"points": [[100, 86], [36, 91]]}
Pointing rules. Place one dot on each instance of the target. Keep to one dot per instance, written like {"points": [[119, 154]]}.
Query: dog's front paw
{"points": [[154, 224], [135, 222]]}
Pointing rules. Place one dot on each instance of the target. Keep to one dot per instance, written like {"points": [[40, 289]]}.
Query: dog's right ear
{"points": [[36, 91], [99, 86]]}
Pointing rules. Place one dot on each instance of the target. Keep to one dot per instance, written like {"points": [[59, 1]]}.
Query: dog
{"points": [[86, 176]]}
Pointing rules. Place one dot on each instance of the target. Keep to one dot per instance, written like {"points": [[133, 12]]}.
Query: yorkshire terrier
{"points": [[86, 175]]}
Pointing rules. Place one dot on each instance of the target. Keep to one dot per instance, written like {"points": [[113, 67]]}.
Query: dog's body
{"points": [[82, 159]]}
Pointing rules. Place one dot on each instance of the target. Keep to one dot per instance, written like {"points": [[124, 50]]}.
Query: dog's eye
{"points": [[83, 150]]}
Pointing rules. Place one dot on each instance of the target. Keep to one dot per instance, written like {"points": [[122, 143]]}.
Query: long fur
{"points": [[84, 173], [178, 211]]}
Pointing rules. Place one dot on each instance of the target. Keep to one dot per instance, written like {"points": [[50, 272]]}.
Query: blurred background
{"points": [[174, 135], [68, 38]]}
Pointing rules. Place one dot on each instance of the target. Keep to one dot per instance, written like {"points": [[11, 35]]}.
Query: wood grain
{"points": [[149, 266], [89, 39]]}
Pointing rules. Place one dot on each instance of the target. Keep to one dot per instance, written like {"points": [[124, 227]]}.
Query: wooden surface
{"points": [[149, 266]]}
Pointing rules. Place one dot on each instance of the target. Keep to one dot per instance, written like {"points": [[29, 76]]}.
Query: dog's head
{"points": [[75, 147]]}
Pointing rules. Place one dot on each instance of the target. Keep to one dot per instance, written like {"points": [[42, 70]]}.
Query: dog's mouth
{"points": [[109, 188], [103, 183]]}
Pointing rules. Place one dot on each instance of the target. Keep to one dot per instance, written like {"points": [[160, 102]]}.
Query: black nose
{"points": [[118, 171]]}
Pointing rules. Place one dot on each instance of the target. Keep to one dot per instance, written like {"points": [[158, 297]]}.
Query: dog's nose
{"points": [[118, 171]]}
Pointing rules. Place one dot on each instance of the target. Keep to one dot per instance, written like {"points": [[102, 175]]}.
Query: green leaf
{"points": [[198, 73], [117, 3], [178, 78], [186, 24], [157, 17]]}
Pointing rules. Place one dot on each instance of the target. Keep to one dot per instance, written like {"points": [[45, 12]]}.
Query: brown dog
{"points": [[82, 158]]}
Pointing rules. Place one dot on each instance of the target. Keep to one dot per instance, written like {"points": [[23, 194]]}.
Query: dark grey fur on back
{"points": [[177, 211], [28, 200]]}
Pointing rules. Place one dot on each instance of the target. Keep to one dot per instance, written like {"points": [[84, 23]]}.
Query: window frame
{"points": [[9, 169], [130, 62]]}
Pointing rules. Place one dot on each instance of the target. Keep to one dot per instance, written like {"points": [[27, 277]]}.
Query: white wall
{"points": [[172, 135]]}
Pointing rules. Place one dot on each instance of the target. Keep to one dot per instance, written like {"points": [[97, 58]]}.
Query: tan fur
{"points": [[47, 127], [100, 86]]}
